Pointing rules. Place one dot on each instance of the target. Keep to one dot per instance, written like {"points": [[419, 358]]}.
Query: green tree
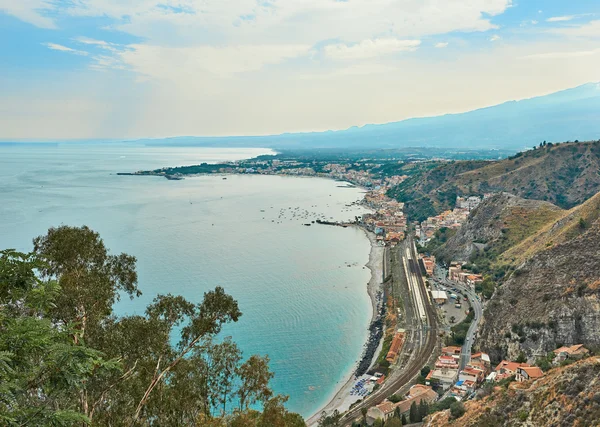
{"points": [[404, 420], [413, 414], [330, 420], [423, 409], [457, 410], [393, 422], [255, 376], [364, 411], [522, 358], [42, 371]]}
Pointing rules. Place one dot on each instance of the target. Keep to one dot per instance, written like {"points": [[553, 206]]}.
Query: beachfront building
{"points": [[395, 347]]}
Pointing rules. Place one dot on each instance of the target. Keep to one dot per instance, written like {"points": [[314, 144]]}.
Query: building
{"points": [[397, 342], [445, 377], [576, 351], [528, 373], [386, 409], [440, 297], [506, 369]]}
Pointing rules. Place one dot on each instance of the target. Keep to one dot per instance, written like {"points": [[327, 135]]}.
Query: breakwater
{"points": [[375, 336]]}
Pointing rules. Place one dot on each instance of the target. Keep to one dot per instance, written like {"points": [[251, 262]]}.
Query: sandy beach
{"points": [[342, 398]]}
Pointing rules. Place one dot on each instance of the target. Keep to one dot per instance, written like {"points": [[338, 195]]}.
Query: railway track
{"points": [[422, 354]]}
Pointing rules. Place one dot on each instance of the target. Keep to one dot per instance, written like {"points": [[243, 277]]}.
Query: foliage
{"points": [[442, 405], [332, 420], [65, 359], [457, 410]]}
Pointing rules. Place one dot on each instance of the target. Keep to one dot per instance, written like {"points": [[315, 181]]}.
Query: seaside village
{"points": [[445, 379]]}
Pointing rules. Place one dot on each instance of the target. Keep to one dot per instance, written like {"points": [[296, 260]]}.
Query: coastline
{"points": [[341, 399]]}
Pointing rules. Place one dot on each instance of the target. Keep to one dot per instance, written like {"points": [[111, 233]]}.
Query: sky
{"points": [[122, 69]]}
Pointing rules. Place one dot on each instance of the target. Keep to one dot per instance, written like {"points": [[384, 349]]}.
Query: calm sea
{"points": [[302, 290]]}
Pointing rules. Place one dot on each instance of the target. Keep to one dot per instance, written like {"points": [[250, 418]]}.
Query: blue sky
{"points": [[155, 68]]}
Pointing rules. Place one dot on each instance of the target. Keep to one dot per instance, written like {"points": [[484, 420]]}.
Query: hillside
{"points": [[565, 396], [553, 297], [499, 223], [563, 174], [566, 115]]}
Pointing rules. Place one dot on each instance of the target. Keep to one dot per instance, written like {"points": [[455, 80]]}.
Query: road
{"points": [[476, 305], [423, 338]]}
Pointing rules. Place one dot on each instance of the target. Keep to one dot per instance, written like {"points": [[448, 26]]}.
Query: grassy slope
{"points": [[565, 175]]}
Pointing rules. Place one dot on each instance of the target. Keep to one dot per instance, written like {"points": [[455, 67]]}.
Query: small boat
{"points": [[224, 177]]}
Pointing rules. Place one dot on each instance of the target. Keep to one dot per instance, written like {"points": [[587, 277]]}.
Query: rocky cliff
{"points": [[551, 299]]}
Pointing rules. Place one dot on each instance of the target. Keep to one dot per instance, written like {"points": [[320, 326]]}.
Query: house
{"points": [[446, 377], [481, 360], [446, 362], [452, 350], [506, 369], [386, 409], [440, 297], [528, 373], [573, 352], [471, 373]]}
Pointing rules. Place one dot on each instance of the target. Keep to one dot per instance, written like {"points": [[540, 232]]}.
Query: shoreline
{"points": [[341, 398]]}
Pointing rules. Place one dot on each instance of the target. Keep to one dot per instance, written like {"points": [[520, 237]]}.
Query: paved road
{"points": [[476, 305]]}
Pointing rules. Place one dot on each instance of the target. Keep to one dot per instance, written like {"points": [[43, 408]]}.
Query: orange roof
{"points": [[532, 371], [511, 366]]}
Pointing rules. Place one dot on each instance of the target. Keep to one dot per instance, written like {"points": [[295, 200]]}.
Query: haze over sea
{"points": [[302, 290]]}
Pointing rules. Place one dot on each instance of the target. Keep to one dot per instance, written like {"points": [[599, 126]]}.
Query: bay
{"points": [[302, 289]]}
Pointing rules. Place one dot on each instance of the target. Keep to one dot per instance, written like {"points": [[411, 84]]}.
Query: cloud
{"points": [[183, 63], [30, 11], [441, 45], [495, 38], [61, 48], [588, 30], [370, 48], [561, 18], [564, 54]]}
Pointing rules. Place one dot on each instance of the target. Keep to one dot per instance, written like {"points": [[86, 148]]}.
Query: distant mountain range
{"points": [[572, 114]]}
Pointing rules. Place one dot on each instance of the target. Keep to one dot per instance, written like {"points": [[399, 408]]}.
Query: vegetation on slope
{"points": [[564, 174], [565, 396], [66, 359]]}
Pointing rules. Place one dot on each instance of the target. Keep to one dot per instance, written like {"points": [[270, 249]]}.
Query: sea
{"points": [[302, 289]]}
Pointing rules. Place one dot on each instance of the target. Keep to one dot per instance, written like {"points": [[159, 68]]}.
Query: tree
{"points": [[364, 411], [452, 319], [393, 422], [521, 358], [423, 409], [90, 278], [330, 420], [41, 369], [413, 414], [404, 420], [457, 410], [255, 376], [425, 371]]}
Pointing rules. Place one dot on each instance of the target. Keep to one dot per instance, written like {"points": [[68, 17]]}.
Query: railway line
{"points": [[422, 347]]}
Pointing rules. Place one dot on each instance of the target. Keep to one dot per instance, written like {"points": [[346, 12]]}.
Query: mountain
{"points": [[566, 115], [497, 224], [565, 396], [546, 265], [552, 297], [563, 174]]}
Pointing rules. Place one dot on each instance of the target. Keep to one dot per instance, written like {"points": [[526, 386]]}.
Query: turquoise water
{"points": [[302, 290]]}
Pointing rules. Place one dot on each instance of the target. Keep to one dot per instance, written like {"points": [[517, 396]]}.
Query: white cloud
{"points": [[561, 18], [370, 48], [184, 63], [495, 38], [588, 30], [30, 11], [563, 54], [61, 48], [441, 45]]}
